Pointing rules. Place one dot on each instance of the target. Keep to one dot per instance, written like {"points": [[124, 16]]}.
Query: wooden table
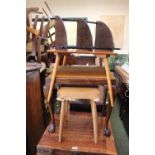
{"points": [[104, 54], [78, 140]]}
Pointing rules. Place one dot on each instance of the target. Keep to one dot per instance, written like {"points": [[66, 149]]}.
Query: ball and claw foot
{"points": [[106, 132], [51, 128]]}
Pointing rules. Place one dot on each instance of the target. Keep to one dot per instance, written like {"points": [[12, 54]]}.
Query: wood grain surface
{"points": [[78, 136]]}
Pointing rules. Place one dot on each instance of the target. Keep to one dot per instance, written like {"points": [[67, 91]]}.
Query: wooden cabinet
{"points": [[34, 113]]}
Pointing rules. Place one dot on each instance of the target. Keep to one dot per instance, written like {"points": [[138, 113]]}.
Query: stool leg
{"points": [[94, 116], [62, 112], [66, 107]]}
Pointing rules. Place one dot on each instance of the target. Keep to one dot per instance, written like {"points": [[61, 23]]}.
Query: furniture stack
{"points": [[78, 82]]}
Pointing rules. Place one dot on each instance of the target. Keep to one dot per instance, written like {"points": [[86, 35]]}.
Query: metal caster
{"points": [[51, 128], [106, 132]]}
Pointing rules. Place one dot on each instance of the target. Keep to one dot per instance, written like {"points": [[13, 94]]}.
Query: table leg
{"points": [[53, 76], [107, 69], [111, 99], [104, 101], [64, 60], [106, 130]]}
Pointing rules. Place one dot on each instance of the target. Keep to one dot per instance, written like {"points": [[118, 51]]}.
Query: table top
{"points": [[80, 51], [78, 131]]}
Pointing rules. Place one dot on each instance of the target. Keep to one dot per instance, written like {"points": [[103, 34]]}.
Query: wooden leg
{"points": [[104, 101], [94, 116], [66, 107], [64, 60], [107, 69], [106, 129], [62, 112], [108, 114], [51, 127], [100, 62], [53, 76], [38, 52]]}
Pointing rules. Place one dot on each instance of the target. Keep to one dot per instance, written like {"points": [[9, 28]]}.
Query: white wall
{"points": [[93, 9]]}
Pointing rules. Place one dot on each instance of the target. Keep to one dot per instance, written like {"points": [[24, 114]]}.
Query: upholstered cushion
{"points": [[72, 93]]}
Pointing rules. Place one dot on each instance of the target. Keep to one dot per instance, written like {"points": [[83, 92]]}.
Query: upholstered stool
{"points": [[71, 93]]}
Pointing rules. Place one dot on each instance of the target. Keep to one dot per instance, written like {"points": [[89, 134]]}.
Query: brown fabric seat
{"points": [[79, 75], [72, 93]]}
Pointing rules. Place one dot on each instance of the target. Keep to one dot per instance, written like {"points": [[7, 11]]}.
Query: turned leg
{"points": [[94, 116], [51, 127], [108, 113], [53, 76]]}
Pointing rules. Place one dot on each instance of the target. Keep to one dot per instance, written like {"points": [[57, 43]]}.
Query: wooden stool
{"points": [[71, 93]]}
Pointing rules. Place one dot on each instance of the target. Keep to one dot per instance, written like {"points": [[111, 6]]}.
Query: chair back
{"points": [[84, 37], [103, 37], [60, 33]]}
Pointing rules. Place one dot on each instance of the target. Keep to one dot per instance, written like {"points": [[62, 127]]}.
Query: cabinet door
{"points": [[34, 112]]}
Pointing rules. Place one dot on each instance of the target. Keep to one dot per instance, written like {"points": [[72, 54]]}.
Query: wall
{"points": [[93, 9]]}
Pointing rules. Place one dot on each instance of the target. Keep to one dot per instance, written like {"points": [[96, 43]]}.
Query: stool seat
{"points": [[72, 93]]}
